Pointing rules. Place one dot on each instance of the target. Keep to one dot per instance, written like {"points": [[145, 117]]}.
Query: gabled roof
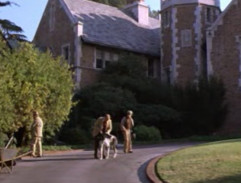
{"points": [[109, 26], [220, 17]]}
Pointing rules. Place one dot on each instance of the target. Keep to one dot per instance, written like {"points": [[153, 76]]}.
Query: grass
{"points": [[216, 162]]}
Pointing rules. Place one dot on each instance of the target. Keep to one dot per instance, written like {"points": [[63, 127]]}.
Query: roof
{"points": [[219, 20], [109, 26]]}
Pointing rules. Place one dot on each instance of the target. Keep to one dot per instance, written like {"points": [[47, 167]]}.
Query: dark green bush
{"points": [[196, 109], [3, 139], [75, 136], [145, 133]]}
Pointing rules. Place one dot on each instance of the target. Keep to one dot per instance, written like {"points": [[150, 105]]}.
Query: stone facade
{"points": [[197, 40], [65, 34], [182, 39], [224, 58]]}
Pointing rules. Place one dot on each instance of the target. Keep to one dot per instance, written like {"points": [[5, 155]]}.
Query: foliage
{"points": [[9, 29], [209, 163], [145, 133], [154, 13], [204, 106], [197, 109], [116, 3], [33, 80], [75, 136], [3, 139]]}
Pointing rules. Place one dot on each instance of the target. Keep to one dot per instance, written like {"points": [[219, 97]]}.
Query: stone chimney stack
{"points": [[138, 10]]}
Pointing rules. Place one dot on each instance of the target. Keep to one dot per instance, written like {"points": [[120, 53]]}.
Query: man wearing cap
{"points": [[127, 123], [102, 125], [37, 134]]}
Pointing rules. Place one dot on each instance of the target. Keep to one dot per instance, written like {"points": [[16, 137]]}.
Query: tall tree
{"points": [[9, 29]]}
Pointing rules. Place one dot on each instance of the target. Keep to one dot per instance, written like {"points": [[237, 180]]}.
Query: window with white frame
{"points": [[186, 38], [52, 17], [66, 52], [104, 58]]}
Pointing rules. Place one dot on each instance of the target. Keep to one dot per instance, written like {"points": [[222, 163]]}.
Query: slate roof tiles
{"points": [[109, 26]]}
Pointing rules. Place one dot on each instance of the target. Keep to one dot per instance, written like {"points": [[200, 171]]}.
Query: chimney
{"points": [[138, 10]]}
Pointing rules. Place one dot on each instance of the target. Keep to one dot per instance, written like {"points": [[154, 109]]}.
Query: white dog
{"points": [[105, 143]]}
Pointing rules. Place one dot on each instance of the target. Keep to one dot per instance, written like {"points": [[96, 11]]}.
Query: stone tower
{"points": [[183, 38]]}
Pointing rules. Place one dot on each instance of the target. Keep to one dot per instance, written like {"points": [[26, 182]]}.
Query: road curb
{"points": [[150, 170], [151, 167]]}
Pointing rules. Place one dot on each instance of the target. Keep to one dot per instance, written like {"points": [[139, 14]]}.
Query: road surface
{"points": [[80, 166]]}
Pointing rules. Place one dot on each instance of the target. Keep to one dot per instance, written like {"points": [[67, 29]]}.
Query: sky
{"points": [[28, 13]]}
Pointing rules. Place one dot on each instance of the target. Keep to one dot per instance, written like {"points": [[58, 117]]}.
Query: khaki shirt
{"points": [[98, 126], [126, 124], [37, 127]]}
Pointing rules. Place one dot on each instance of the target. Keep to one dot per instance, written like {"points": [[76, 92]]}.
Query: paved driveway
{"points": [[80, 167]]}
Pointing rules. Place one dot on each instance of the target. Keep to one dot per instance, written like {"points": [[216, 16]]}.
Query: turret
{"points": [[183, 38]]}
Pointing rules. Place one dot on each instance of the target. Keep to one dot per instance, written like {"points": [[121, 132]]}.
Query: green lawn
{"points": [[217, 162]]}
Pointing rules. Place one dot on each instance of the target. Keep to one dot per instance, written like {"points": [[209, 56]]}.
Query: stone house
{"points": [[195, 39], [198, 40], [90, 35], [224, 60], [183, 38]]}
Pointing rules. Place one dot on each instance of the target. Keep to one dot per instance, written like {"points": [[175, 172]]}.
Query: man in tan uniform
{"points": [[126, 125], [37, 134], [102, 125]]}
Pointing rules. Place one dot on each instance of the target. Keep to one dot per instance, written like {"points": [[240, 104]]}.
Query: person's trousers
{"points": [[37, 146], [127, 141]]}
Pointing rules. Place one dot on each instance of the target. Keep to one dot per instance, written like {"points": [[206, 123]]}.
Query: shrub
{"points": [[75, 136], [3, 139], [31, 80], [145, 133]]}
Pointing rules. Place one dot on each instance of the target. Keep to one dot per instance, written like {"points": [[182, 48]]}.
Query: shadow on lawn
{"points": [[228, 179]]}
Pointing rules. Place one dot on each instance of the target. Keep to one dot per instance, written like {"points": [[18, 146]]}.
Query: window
{"points": [[186, 38], [99, 60], [151, 67], [166, 75], [104, 58], [166, 19], [238, 40], [66, 52], [52, 17], [210, 15]]}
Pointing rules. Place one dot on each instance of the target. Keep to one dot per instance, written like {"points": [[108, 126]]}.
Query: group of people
{"points": [[103, 125]]}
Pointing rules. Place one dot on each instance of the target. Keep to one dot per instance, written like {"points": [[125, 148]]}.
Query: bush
{"points": [[75, 136], [31, 80], [145, 133], [3, 139]]}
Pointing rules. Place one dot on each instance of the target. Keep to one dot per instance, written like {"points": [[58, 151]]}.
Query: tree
{"points": [[33, 80], [9, 29], [116, 3]]}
